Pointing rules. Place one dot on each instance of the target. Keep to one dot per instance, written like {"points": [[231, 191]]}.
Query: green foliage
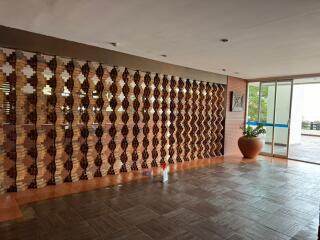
{"points": [[310, 125], [305, 125], [253, 104], [249, 131]]}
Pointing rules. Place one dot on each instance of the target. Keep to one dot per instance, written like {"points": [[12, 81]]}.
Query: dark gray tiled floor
{"points": [[263, 200]]}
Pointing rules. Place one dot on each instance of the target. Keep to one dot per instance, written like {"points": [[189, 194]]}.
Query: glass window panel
{"points": [[282, 116], [253, 101], [267, 99]]}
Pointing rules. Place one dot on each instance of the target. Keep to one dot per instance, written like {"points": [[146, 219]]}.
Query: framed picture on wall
{"points": [[237, 102]]}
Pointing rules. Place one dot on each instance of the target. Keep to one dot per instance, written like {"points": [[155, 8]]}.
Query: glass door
{"points": [[269, 105], [282, 118], [266, 114]]}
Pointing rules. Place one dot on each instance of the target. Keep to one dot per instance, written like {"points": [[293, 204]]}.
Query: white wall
{"points": [[296, 114]]}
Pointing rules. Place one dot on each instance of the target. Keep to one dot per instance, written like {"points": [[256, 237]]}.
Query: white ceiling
{"points": [[267, 37]]}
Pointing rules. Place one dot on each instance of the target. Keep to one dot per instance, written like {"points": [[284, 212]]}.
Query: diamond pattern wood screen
{"points": [[65, 120]]}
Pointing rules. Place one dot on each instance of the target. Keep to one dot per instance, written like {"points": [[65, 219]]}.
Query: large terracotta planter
{"points": [[250, 147]]}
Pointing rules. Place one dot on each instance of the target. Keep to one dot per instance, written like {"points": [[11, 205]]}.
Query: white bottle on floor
{"points": [[165, 171]]}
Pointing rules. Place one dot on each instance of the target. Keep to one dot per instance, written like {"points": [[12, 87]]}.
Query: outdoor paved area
{"points": [[263, 199], [308, 150]]}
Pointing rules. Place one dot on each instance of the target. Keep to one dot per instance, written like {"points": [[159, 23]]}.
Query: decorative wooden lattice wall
{"points": [[64, 120]]}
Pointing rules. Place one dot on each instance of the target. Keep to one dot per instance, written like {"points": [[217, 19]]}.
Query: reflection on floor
{"points": [[234, 199], [278, 149], [308, 150]]}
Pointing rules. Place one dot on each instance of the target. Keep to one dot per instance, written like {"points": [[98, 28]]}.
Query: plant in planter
{"points": [[250, 144]]}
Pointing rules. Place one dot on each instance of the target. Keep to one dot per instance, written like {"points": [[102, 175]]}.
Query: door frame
{"points": [[272, 154]]}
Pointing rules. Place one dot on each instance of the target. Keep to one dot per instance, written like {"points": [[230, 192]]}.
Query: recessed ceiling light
{"points": [[223, 69], [224, 40], [163, 55], [115, 44]]}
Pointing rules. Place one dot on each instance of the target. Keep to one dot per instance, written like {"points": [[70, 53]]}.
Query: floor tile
{"points": [[263, 199], [138, 214]]}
